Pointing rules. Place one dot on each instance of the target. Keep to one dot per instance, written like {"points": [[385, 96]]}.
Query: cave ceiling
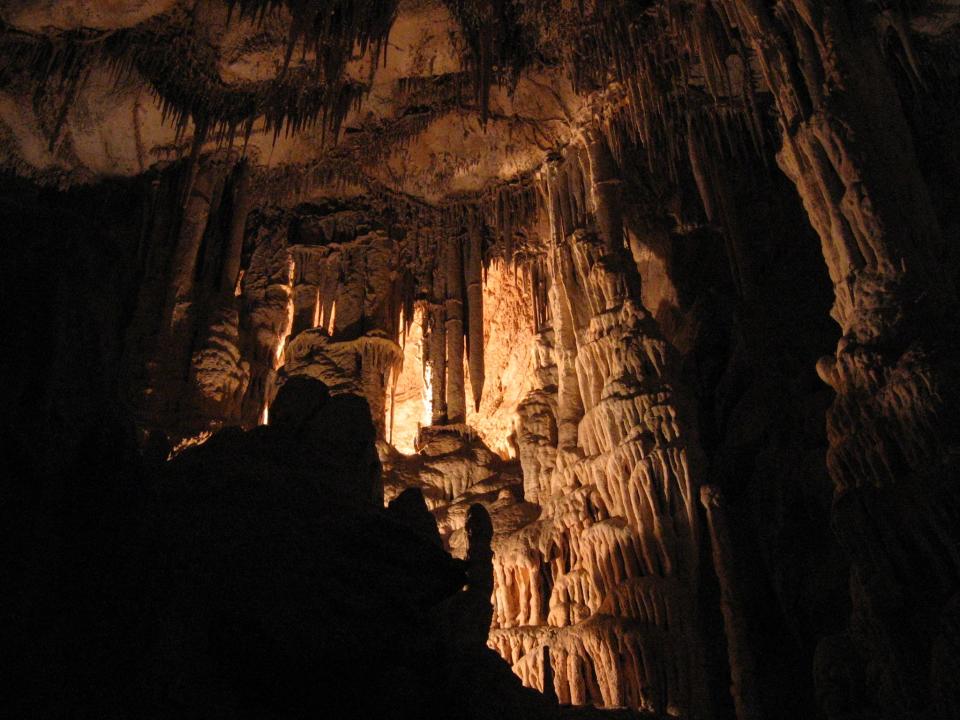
{"points": [[431, 99], [386, 97]]}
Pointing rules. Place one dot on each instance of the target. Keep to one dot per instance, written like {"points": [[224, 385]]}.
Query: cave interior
{"points": [[481, 358]]}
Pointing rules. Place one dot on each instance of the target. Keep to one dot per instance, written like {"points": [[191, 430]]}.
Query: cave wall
{"points": [[714, 324]]}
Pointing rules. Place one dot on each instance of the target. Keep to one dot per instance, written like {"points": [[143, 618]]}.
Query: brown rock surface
{"points": [[645, 310]]}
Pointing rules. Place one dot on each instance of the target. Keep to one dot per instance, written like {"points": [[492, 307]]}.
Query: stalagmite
{"points": [[453, 308], [473, 274]]}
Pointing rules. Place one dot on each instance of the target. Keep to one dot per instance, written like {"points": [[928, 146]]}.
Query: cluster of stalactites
{"points": [[352, 289], [181, 68], [329, 30], [576, 189], [453, 318], [498, 44]]}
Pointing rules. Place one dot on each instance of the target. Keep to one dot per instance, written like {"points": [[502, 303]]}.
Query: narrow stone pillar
{"points": [[193, 225], [177, 345], [569, 399], [306, 291], [605, 187], [474, 277], [438, 345], [479, 529], [453, 305], [743, 674], [351, 292], [238, 224]]}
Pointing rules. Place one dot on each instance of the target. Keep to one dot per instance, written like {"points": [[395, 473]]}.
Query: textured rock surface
{"points": [[648, 311]]}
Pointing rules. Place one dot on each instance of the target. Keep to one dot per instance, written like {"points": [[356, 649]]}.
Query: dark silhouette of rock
{"points": [[410, 509], [298, 401]]}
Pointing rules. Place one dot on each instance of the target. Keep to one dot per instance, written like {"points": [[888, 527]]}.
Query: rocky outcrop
{"points": [[454, 470], [261, 578], [363, 366]]}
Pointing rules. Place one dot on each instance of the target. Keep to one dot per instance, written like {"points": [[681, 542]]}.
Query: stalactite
{"points": [[238, 223], [438, 339], [475, 346], [498, 43], [453, 308], [606, 190], [330, 30]]}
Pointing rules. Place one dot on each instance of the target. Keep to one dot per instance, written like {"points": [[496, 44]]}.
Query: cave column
{"points": [[193, 225], [453, 306], [569, 399], [566, 308], [351, 293], [435, 341], [474, 277], [238, 224], [181, 311], [306, 289], [605, 189]]}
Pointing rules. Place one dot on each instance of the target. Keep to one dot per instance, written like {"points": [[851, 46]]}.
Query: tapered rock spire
{"points": [[453, 304], [473, 271]]}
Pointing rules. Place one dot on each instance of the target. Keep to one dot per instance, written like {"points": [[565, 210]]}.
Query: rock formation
{"points": [[608, 349]]}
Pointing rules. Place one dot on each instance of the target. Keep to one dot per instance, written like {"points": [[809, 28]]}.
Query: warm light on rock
{"points": [[481, 359]]}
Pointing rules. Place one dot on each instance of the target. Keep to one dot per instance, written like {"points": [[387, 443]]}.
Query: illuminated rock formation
{"points": [[618, 533], [645, 312]]}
